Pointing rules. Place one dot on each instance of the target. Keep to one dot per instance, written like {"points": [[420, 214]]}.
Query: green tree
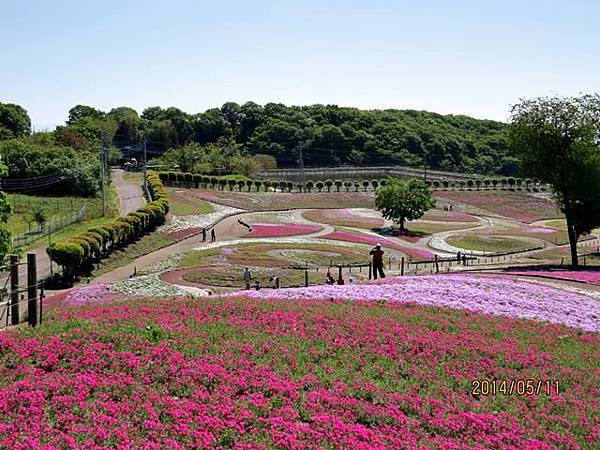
{"points": [[401, 200], [5, 210], [14, 121], [39, 215], [558, 142]]}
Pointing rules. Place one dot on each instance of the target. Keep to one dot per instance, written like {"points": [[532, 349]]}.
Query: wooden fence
{"points": [[20, 304]]}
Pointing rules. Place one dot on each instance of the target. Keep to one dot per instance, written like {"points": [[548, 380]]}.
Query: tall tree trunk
{"points": [[402, 229], [572, 241]]}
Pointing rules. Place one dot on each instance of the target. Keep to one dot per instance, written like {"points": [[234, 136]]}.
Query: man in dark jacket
{"points": [[377, 254]]}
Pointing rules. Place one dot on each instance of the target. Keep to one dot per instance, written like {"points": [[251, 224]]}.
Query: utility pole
{"points": [[145, 182], [301, 162], [102, 174]]}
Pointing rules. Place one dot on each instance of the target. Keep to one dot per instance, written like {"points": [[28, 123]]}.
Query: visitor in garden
{"points": [[257, 285], [204, 234], [274, 280], [458, 256], [247, 277], [377, 254], [329, 278], [213, 236]]}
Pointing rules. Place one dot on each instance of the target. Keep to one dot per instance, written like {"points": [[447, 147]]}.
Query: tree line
{"points": [[250, 137]]}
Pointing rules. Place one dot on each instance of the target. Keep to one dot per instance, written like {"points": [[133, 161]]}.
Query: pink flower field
{"points": [[261, 230], [372, 240], [583, 276], [343, 217], [513, 205], [498, 295], [288, 374], [449, 216]]}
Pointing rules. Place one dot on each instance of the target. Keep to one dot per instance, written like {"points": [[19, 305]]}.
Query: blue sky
{"points": [[459, 57]]}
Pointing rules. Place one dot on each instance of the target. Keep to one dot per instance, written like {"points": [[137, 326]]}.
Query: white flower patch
{"points": [[152, 286], [165, 265], [179, 223]]}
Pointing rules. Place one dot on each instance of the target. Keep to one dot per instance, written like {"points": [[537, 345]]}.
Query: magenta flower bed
{"points": [[497, 295], [260, 230], [583, 276], [372, 240]]}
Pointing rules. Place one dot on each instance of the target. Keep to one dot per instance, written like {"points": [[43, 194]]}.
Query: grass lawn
{"points": [[182, 204], [119, 258], [276, 255], [241, 373], [498, 244], [92, 217]]}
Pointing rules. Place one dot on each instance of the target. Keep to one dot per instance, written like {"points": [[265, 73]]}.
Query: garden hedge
{"points": [[78, 253]]}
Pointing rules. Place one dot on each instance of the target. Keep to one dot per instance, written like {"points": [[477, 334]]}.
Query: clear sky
{"points": [[461, 57]]}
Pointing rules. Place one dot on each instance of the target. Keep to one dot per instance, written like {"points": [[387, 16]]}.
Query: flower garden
{"points": [[281, 373], [513, 205], [181, 356]]}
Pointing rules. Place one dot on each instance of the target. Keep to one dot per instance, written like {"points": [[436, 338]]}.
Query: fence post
{"points": [[402, 267], [437, 267], [14, 289], [389, 263], [31, 290], [41, 302], [340, 278], [306, 277]]}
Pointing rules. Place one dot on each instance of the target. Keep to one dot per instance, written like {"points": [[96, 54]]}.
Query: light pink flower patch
{"points": [[260, 230], [95, 293], [497, 295], [372, 240], [538, 230], [583, 276]]}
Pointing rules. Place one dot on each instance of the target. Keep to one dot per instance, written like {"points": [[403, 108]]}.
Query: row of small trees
{"points": [[241, 183], [77, 254]]}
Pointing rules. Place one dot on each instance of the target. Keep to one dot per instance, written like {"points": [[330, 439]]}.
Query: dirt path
{"points": [[131, 196]]}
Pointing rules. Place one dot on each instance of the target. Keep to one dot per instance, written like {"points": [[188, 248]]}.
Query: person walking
{"points": [[213, 236], [204, 234], [247, 277], [377, 254]]}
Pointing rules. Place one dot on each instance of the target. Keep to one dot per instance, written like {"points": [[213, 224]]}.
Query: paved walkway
{"points": [[130, 199], [131, 195]]}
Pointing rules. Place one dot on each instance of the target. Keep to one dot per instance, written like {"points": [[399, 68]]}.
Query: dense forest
{"points": [[244, 138]]}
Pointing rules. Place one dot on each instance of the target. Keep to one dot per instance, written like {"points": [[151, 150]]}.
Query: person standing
{"points": [[247, 277], [377, 254], [213, 236], [204, 234]]}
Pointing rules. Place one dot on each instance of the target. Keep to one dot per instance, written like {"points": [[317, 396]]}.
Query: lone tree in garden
{"points": [[401, 200], [558, 142]]}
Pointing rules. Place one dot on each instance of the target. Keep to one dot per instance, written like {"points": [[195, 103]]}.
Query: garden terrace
{"points": [[518, 206]]}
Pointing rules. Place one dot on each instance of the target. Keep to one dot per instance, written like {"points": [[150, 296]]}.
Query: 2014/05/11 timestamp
{"points": [[515, 387]]}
